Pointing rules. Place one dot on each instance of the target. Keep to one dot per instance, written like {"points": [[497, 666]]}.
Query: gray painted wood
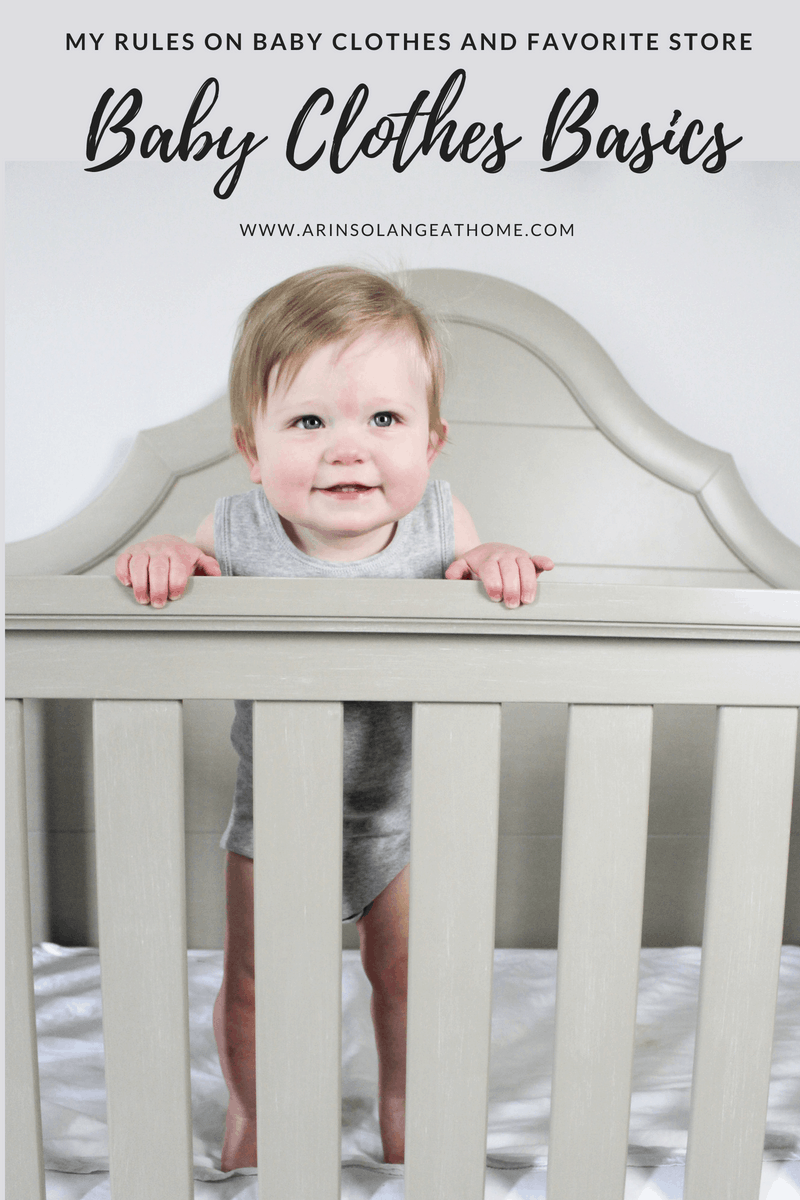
{"points": [[399, 605], [494, 379], [674, 577], [757, 543], [525, 916], [189, 499], [159, 457], [467, 298], [298, 921], [37, 781], [456, 751], [529, 849], [751, 813], [138, 783], [685, 659], [23, 1129], [527, 485], [295, 666], [599, 935]]}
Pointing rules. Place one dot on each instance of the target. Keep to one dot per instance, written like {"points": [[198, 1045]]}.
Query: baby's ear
{"points": [[247, 451], [435, 442]]}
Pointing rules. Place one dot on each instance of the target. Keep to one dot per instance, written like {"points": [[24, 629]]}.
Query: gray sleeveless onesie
{"points": [[249, 539]]}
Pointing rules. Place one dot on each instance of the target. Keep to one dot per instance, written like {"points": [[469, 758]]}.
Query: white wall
{"points": [[124, 289]]}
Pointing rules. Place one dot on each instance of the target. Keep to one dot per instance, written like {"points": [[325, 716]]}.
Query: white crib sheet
{"points": [[67, 983]]}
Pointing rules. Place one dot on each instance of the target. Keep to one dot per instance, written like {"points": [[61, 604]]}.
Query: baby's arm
{"points": [[507, 572], [158, 569]]}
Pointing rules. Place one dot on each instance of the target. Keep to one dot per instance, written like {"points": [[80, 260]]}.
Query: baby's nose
{"points": [[346, 448]]}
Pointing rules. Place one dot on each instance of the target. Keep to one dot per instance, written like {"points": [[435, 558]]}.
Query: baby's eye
{"points": [[384, 419], [309, 422]]}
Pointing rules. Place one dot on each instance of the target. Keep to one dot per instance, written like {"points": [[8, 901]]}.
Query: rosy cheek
{"points": [[409, 484], [289, 470]]}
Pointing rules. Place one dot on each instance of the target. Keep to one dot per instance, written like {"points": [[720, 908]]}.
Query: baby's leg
{"points": [[235, 1016], [384, 952]]}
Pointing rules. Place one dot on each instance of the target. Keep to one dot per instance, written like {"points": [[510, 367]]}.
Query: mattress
{"points": [[68, 1011]]}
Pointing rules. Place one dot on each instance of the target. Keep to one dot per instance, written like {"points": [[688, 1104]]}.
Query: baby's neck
{"points": [[337, 547]]}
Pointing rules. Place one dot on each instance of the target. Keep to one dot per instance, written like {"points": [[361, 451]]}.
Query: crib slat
{"points": [[23, 1148], [599, 937], [751, 812], [297, 788], [453, 868], [138, 782]]}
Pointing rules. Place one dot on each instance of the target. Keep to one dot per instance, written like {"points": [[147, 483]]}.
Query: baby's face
{"points": [[343, 452]]}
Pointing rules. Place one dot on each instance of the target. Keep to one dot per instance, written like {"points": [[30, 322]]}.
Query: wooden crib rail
{"points": [[750, 816], [138, 786], [606, 795], [299, 648], [23, 1133], [297, 836], [415, 640], [580, 609]]}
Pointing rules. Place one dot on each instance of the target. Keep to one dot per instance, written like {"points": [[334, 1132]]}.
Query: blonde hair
{"points": [[287, 323]]}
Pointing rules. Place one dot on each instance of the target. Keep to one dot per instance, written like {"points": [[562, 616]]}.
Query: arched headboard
{"points": [[549, 448]]}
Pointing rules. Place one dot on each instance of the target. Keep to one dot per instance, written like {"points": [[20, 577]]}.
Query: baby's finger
{"points": [[542, 563], [122, 569], [178, 578], [528, 576], [458, 570], [140, 577], [492, 579], [206, 565], [509, 570], [159, 573]]}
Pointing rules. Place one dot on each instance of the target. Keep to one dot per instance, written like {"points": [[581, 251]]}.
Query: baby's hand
{"points": [[508, 573], [159, 568]]}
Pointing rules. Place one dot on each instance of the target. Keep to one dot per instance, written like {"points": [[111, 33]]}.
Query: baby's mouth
{"points": [[349, 487]]}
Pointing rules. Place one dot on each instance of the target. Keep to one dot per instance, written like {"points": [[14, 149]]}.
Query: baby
{"points": [[335, 388]]}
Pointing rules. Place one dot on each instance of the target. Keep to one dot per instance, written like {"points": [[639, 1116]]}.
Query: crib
{"points": [[616, 637]]}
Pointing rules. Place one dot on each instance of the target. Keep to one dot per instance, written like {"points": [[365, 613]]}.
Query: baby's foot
{"points": [[392, 1114], [239, 1147]]}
